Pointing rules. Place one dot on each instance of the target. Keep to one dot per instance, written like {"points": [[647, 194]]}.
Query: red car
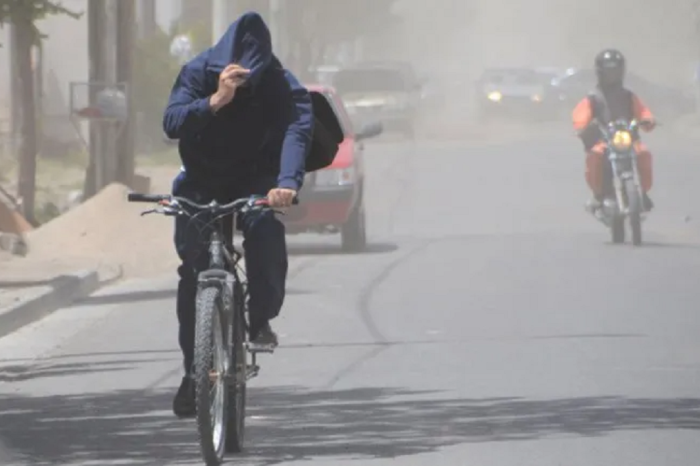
{"points": [[332, 199]]}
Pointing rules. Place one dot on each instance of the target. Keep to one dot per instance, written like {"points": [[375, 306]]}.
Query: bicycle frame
{"points": [[222, 273], [220, 327]]}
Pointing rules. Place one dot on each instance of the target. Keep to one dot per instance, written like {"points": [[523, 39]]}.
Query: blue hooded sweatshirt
{"points": [[266, 129]]}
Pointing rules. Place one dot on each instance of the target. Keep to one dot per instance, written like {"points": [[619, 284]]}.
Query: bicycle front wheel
{"points": [[211, 363], [235, 432]]}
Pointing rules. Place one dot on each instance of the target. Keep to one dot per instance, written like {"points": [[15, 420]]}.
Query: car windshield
{"points": [[369, 80]]}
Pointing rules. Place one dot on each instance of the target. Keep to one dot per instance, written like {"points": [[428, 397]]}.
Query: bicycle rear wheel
{"points": [[211, 363]]}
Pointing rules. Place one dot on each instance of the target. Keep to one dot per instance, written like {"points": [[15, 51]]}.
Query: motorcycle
{"points": [[626, 200]]}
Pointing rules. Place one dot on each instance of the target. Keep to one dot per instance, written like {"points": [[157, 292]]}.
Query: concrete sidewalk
{"points": [[31, 289]]}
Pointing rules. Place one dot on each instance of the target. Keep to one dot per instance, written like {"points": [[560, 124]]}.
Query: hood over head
{"points": [[248, 43]]}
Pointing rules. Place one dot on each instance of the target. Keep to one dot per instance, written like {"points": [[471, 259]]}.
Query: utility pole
{"points": [[126, 30], [23, 41], [147, 18], [220, 19], [97, 73], [15, 104]]}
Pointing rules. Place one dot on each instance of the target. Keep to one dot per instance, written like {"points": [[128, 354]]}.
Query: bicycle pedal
{"points": [[258, 348], [252, 371]]}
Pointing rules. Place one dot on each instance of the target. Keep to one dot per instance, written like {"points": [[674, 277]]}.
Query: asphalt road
{"points": [[490, 323]]}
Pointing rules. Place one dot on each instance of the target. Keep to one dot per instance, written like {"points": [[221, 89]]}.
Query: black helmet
{"points": [[610, 66]]}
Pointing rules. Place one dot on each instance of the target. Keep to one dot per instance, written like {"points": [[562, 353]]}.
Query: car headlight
{"points": [[536, 98], [495, 96], [622, 140], [335, 177]]}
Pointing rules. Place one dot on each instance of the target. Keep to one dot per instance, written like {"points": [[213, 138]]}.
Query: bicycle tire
{"points": [[235, 430], [209, 307]]}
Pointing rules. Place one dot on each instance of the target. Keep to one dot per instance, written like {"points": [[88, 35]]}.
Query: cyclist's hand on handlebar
{"points": [[280, 198]]}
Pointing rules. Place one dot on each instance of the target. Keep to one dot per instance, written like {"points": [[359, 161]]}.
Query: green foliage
{"points": [[155, 71], [29, 11], [199, 32], [32, 10]]}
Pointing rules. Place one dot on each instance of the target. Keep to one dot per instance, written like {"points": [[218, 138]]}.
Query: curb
{"points": [[64, 290]]}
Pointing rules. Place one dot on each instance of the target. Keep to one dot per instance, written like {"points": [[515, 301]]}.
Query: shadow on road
{"points": [[143, 296], [56, 282], [130, 297], [658, 244], [54, 369], [137, 428]]}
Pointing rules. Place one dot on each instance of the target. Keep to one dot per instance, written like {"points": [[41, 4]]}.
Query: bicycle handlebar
{"points": [[214, 207]]}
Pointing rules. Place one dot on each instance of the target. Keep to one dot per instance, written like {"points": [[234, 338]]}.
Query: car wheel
{"points": [[353, 233]]}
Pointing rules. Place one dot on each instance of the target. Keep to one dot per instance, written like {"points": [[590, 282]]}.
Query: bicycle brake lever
{"points": [[163, 210]]}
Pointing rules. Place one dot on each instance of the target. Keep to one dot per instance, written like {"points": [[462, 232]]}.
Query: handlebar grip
{"points": [[139, 197], [295, 201]]}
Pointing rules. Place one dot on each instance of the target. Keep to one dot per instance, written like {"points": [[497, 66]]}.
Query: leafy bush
{"points": [[155, 71]]}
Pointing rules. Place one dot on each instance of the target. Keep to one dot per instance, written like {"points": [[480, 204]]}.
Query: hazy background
{"points": [[449, 42], [447, 38]]}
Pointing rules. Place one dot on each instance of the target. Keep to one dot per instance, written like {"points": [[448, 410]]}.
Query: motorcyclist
{"points": [[245, 126], [611, 101]]}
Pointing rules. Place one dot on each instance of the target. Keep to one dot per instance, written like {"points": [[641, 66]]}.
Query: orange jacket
{"points": [[583, 114]]}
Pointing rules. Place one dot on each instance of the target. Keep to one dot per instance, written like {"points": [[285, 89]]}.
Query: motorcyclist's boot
{"points": [[594, 204]]}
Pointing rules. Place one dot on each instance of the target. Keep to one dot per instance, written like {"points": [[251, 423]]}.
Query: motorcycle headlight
{"points": [[495, 96], [622, 140], [335, 177]]}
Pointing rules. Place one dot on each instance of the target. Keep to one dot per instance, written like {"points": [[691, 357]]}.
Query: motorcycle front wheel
{"points": [[635, 208], [617, 229]]}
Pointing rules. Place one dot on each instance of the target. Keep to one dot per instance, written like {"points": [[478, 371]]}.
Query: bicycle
{"points": [[221, 330]]}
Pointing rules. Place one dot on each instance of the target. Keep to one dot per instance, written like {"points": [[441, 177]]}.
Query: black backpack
{"points": [[327, 136]]}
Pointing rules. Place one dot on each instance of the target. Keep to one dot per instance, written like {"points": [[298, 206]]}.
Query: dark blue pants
{"points": [[265, 254]]}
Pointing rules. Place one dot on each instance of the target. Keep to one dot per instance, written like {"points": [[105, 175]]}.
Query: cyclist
{"points": [[244, 125]]}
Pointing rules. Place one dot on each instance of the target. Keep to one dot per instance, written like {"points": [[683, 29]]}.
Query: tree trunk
{"points": [[24, 41], [125, 74]]}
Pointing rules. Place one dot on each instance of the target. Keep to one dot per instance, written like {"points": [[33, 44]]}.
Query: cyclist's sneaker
{"points": [[265, 337], [184, 403]]}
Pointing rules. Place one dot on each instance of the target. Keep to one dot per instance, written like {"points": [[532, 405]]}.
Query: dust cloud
{"points": [[452, 41]]}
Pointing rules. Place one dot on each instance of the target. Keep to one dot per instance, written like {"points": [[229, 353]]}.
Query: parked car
{"points": [[332, 199], [517, 93], [666, 102], [388, 91]]}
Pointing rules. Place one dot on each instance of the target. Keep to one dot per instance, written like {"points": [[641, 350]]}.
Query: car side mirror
{"points": [[369, 130]]}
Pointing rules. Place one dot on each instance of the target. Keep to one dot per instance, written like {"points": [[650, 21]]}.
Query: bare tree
{"points": [[23, 14]]}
